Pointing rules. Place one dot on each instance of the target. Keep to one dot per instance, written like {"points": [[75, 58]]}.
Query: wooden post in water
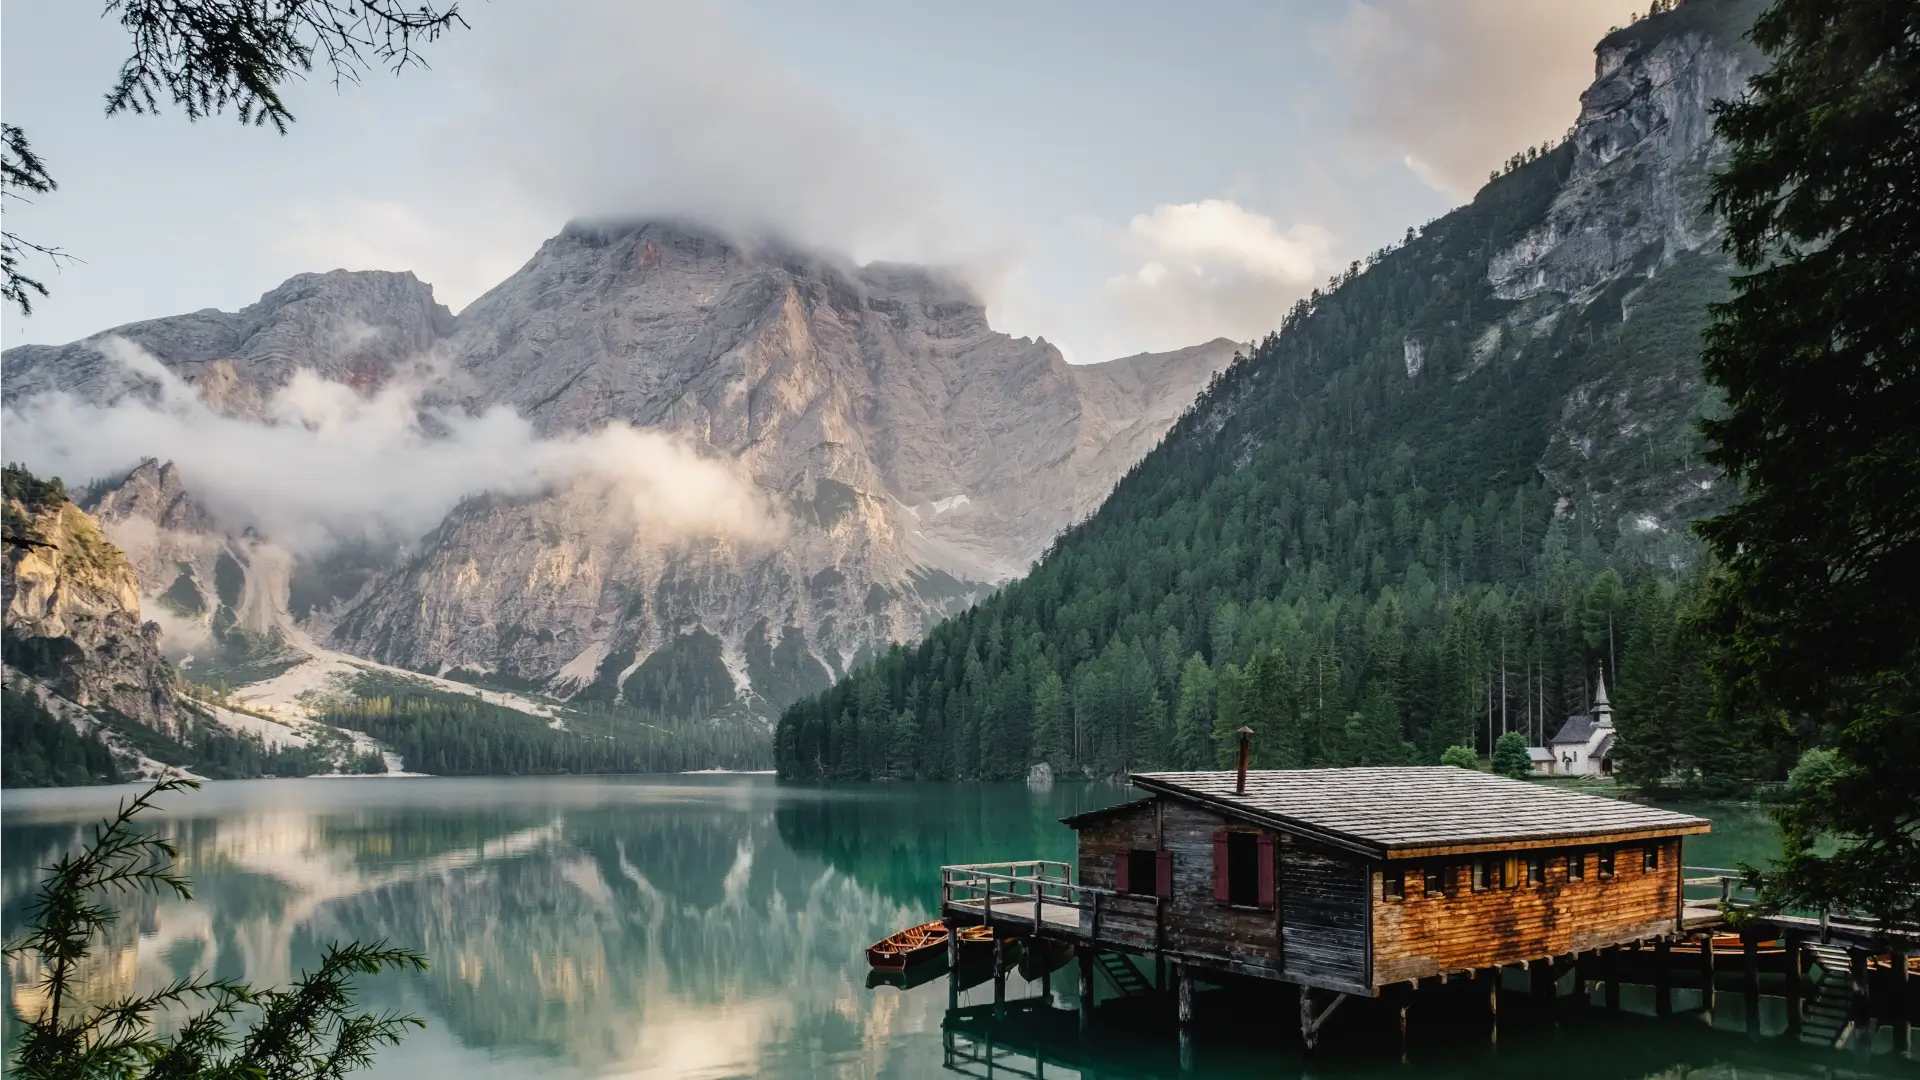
{"points": [[1750, 983], [1184, 977], [1902, 1004], [1860, 985], [1706, 973], [1613, 979], [1663, 977], [1491, 977], [1086, 985], [1580, 961], [999, 974], [1796, 971]]}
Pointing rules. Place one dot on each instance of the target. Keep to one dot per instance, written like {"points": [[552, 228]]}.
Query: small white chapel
{"points": [[1584, 744]]}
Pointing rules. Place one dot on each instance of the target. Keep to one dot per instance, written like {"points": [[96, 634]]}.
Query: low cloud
{"points": [[322, 463], [1209, 269], [650, 107], [1452, 88]]}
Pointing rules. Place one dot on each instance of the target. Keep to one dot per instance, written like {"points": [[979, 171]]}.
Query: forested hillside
{"points": [[1427, 510]]}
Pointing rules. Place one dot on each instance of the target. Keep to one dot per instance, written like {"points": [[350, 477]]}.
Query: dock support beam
{"points": [[1663, 977], [1542, 983], [1086, 985], [1183, 975], [1612, 997], [1750, 958], [1796, 973], [999, 974], [1706, 973], [1312, 1020], [1902, 1003]]}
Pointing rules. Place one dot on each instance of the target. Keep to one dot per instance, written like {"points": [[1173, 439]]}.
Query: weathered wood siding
{"points": [[1422, 935], [1123, 920], [1197, 927], [1323, 916]]}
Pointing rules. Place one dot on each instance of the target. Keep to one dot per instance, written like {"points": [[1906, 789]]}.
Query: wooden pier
{"points": [[1390, 884]]}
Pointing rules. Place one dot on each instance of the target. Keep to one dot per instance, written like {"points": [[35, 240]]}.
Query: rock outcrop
{"points": [[72, 610]]}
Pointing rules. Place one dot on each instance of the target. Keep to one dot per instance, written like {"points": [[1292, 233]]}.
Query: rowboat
{"points": [[897, 952]]}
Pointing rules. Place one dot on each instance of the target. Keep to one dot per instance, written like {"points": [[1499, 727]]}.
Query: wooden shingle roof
{"points": [[1415, 811]]}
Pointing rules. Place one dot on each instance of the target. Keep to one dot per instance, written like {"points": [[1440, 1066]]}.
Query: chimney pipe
{"points": [[1246, 750]]}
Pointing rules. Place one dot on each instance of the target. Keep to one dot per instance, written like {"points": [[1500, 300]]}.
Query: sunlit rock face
{"points": [[910, 457], [72, 618]]}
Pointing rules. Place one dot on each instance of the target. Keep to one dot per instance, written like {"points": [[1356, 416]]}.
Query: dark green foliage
{"points": [[32, 493], [1510, 756], [684, 678], [455, 735], [215, 752], [38, 749], [309, 1031], [1817, 618]]}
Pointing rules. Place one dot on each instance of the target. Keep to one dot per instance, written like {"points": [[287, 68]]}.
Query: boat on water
{"points": [[897, 952]]}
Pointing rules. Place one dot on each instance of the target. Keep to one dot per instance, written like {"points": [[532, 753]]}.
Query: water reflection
{"points": [[707, 926]]}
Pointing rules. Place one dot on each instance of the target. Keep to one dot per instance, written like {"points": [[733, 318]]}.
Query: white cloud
{"points": [[459, 261], [323, 462], [1454, 87], [1212, 268], [647, 107]]}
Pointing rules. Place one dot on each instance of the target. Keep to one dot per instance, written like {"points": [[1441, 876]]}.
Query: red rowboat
{"points": [[910, 946]]}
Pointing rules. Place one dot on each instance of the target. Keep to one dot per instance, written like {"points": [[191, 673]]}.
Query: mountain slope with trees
{"points": [[1451, 488]]}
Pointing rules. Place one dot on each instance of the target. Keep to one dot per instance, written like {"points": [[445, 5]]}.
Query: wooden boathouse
{"points": [[1344, 882]]}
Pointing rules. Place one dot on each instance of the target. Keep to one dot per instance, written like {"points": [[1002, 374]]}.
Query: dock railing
{"points": [[1026, 888], [1702, 885]]}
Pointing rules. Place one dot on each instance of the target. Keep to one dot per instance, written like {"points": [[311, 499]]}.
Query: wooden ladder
{"points": [[1123, 975], [1829, 1016]]}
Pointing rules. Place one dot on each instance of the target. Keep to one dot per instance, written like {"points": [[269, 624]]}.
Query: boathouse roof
{"points": [[1419, 811]]}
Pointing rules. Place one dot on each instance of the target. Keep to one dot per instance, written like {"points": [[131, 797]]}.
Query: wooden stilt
{"points": [[953, 966], [1861, 986], [1796, 972], [1663, 977], [1086, 986], [1492, 978], [1185, 978], [1750, 982], [1902, 1003], [1580, 962], [999, 974], [1706, 973], [1613, 979], [1309, 1036], [1541, 980]]}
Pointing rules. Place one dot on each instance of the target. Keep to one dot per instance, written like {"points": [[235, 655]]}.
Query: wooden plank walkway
{"points": [[1061, 918]]}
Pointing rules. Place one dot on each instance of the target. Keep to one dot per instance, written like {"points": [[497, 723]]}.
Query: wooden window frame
{"points": [[1605, 867], [1393, 885], [1266, 886], [1436, 873], [1160, 884], [1536, 870], [1576, 866]]}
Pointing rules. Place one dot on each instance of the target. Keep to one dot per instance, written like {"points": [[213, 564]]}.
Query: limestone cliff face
{"points": [[72, 613], [914, 457], [917, 456], [1630, 231]]}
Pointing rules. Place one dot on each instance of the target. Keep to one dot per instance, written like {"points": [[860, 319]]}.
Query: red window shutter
{"points": [[1120, 875], [1220, 893], [1163, 875], [1266, 872]]}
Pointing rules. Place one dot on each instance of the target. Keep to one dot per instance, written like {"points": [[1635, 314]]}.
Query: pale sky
{"points": [[1113, 176]]}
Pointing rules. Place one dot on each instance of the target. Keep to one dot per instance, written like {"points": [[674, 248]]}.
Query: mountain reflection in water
{"points": [[690, 926]]}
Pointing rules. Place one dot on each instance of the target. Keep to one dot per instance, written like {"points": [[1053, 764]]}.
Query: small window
{"points": [[1489, 872], [1436, 882], [1536, 869], [1141, 871], [1243, 869], [1576, 866], [1393, 885], [1606, 863], [1650, 858]]}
